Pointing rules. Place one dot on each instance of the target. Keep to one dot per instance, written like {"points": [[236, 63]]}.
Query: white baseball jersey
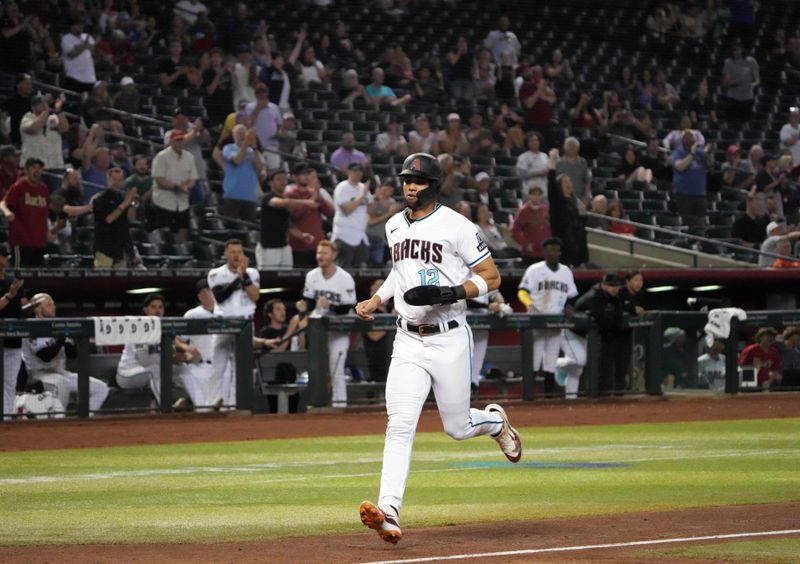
{"points": [[35, 364], [239, 303], [711, 372], [439, 249], [203, 343], [145, 356], [339, 289], [350, 228], [549, 290]]}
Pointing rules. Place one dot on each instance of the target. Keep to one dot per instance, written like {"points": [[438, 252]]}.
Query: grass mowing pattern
{"points": [[773, 551], [220, 492]]}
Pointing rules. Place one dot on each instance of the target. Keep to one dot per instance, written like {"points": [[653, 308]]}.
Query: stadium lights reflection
{"points": [[659, 289], [272, 290], [140, 291], [711, 288]]}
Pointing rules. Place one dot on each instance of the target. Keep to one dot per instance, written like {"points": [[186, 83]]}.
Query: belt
{"points": [[426, 329]]}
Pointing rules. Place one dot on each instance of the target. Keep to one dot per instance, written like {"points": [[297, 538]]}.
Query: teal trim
{"points": [[433, 211], [479, 259]]}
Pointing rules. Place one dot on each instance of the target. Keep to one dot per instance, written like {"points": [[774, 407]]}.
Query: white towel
{"points": [[130, 329], [719, 322]]}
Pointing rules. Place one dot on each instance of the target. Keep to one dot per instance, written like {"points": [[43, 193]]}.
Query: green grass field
{"points": [[265, 489]]}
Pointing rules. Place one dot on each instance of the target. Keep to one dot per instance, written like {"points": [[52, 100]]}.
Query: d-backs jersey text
{"points": [[549, 290], [339, 289], [439, 249]]}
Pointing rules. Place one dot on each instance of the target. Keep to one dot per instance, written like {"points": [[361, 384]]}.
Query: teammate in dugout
{"points": [[439, 261], [236, 290], [45, 360], [140, 363], [329, 289], [548, 287]]}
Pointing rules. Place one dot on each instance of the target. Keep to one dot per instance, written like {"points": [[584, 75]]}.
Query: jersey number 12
{"points": [[429, 277]]}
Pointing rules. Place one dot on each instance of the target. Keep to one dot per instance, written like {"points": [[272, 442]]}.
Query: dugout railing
{"points": [[317, 393], [83, 330], [650, 328]]}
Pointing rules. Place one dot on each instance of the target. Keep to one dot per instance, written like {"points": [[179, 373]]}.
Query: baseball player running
{"points": [[329, 289], [45, 359], [545, 288], [439, 261], [236, 291]]}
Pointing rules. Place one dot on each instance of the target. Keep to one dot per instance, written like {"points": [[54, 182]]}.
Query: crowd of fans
{"points": [[477, 103]]}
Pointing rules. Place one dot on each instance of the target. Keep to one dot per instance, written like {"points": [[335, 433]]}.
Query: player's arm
{"points": [[47, 349], [485, 279], [384, 294], [224, 291], [524, 296]]}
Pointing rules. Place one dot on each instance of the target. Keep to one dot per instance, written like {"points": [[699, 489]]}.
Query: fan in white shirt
{"points": [[351, 198]]}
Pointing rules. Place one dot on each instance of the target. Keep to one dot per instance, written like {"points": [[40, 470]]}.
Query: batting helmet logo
{"points": [[416, 165]]}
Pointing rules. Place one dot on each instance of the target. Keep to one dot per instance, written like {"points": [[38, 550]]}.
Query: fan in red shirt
{"points": [[532, 226], [764, 356], [307, 219], [615, 210], [26, 206]]}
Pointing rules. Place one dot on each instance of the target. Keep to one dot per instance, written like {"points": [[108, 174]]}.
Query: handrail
{"points": [[688, 236]]}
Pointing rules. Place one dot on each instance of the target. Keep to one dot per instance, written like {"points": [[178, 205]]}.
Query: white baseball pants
{"points": [[198, 381], [338, 343], [574, 348], [442, 361], [223, 383], [546, 343], [480, 339], [62, 384], [12, 359]]}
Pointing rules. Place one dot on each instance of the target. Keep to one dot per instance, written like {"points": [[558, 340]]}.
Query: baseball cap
{"points": [[123, 16], [178, 111], [6, 150], [733, 149], [261, 87], [773, 225], [33, 161], [4, 250], [301, 168], [126, 80], [482, 176], [612, 279], [99, 84], [794, 110], [22, 76], [177, 135], [452, 116], [36, 100], [201, 284], [766, 158], [288, 115], [355, 166], [243, 48]]}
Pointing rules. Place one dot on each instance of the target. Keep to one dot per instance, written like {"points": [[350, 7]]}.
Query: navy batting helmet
{"points": [[422, 165], [426, 167]]}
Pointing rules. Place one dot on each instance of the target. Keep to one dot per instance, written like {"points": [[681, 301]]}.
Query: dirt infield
{"points": [[561, 535], [125, 431]]}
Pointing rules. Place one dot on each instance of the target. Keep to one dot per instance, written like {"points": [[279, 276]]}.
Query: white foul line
{"points": [[587, 547]]}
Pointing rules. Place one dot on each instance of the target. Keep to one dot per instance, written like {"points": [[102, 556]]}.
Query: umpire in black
{"points": [[604, 306]]}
